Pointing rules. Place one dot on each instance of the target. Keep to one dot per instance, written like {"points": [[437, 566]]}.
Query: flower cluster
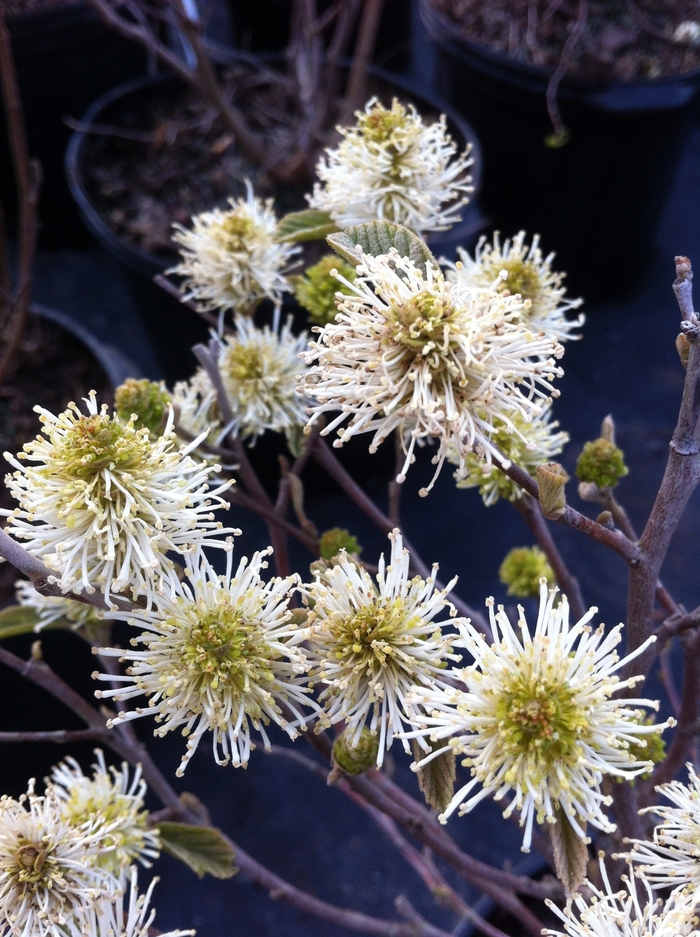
{"points": [[411, 352], [101, 502], [371, 643], [231, 259], [537, 718], [521, 270], [393, 167], [219, 654]]}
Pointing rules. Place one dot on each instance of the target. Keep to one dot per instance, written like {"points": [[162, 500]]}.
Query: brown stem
{"points": [[34, 569], [680, 480], [532, 514], [688, 715], [323, 455], [570, 517], [677, 624], [273, 518], [59, 736], [364, 47], [165, 284]]}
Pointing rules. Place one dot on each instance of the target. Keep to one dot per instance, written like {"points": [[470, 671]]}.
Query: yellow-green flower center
{"points": [[523, 277], [96, 442], [380, 124], [540, 718], [236, 229], [243, 363], [371, 635], [34, 865], [422, 323], [224, 649]]}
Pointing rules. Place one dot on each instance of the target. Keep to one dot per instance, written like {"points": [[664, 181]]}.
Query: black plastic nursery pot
{"points": [[172, 327], [598, 199], [55, 50]]}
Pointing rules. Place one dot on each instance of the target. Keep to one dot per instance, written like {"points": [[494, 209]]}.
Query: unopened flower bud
{"points": [[359, 759], [601, 463], [522, 570], [336, 539], [316, 288], [147, 400], [552, 478], [683, 349]]}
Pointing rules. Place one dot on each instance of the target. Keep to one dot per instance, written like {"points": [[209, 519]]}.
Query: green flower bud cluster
{"points": [[358, 759], [601, 463], [522, 570], [336, 539], [654, 750], [315, 289], [148, 400]]}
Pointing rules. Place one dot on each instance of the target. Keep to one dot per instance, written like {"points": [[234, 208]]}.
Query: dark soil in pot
{"points": [[65, 56], [54, 367], [596, 200]]}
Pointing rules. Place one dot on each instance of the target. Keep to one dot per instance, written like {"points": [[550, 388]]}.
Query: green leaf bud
{"points": [[358, 759], [336, 539], [522, 570], [601, 463], [147, 400], [654, 750], [316, 289]]}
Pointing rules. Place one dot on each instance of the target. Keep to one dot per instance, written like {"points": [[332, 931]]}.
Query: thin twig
{"points": [[532, 515], [165, 284], [364, 48], [58, 736]]}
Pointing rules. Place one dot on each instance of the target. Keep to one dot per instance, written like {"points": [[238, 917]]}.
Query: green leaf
{"points": [[309, 225], [203, 848], [20, 619], [377, 237], [436, 779], [570, 853]]}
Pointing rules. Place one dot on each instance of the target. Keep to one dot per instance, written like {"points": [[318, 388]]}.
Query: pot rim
{"points": [[444, 32], [151, 264]]}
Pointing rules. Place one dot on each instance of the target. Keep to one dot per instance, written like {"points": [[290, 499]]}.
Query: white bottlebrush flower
{"points": [[518, 268], [194, 402], [51, 608], [528, 445], [48, 867], [537, 719], [231, 259], [118, 800], [673, 858], [372, 642], [117, 918], [101, 502], [260, 369], [392, 167], [411, 352], [625, 913], [219, 654]]}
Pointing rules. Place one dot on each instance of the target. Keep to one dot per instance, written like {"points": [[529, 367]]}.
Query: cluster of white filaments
{"points": [[371, 643], [119, 800], [393, 167], [528, 445], [673, 858], [51, 609], [232, 259], [101, 503], [218, 654], [195, 406], [409, 351], [260, 369], [625, 912], [50, 871], [537, 719], [517, 268], [122, 918]]}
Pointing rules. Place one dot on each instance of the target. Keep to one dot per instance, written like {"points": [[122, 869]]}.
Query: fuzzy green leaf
{"points": [[309, 225], [377, 237], [436, 779], [202, 848], [570, 853], [20, 619]]}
